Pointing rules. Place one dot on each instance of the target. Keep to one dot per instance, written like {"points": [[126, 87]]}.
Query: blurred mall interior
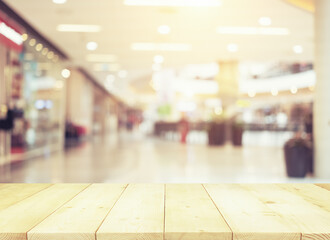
{"points": [[164, 91]]}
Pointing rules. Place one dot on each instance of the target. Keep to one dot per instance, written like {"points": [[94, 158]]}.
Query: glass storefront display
{"points": [[32, 88], [43, 98]]}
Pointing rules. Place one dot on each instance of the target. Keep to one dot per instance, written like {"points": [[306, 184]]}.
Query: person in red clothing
{"points": [[184, 129]]}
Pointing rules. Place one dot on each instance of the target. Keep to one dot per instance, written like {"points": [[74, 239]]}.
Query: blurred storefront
{"points": [[32, 90]]}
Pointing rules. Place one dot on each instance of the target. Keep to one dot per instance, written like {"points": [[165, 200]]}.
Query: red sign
{"points": [[10, 35]]}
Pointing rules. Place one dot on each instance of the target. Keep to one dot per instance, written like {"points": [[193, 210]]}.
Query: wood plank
{"points": [[312, 221], [324, 185], [79, 218], [248, 217], [13, 193], [18, 219], [138, 214], [190, 214], [311, 193]]}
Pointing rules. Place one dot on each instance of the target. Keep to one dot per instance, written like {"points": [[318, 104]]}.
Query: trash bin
{"points": [[298, 157]]}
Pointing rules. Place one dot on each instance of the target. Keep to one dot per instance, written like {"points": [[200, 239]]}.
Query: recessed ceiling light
{"points": [[158, 59], [50, 55], [91, 46], [274, 92], [147, 46], [265, 21], [122, 74], [78, 28], [218, 110], [232, 47], [252, 31], [59, 1], [251, 94], [32, 42], [174, 3], [164, 29], [66, 73], [294, 90], [44, 51], [298, 49], [25, 36], [101, 58], [39, 47]]}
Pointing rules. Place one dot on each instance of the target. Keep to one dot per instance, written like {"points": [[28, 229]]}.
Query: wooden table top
{"points": [[158, 211]]}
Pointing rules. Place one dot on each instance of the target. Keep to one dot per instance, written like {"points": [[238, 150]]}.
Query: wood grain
{"points": [[324, 185], [79, 218], [310, 220], [248, 217], [15, 192], [311, 193], [191, 215], [164, 212], [138, 215], [18, 219]]}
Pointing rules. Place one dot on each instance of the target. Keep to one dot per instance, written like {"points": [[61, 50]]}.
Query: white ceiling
{"points": [[122, 25]]}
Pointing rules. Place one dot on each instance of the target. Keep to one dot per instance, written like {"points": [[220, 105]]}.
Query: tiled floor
{"points": [[135, 158]]}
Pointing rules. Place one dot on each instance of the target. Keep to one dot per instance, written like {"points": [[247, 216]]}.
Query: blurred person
{"points": [[184, 128], [308, 121]]}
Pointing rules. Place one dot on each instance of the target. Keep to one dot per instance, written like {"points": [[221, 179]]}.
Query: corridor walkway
{"points": [[138, 159]]}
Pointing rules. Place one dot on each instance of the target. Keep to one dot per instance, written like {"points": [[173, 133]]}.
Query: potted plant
{"points": [[298, 156], [237, 133], [217, 130]]}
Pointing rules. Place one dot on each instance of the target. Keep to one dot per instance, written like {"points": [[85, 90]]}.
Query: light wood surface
{"points": [[311, 193], [309, 219], [164, 212], [324, 185], [18, 219], [13, 193], [79, 218], [249, 217], [138, 214], [190, 214]]}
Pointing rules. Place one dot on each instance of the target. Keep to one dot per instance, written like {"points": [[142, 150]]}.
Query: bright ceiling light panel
{"points": [[158, 59], [78, 28], [161, 47], [232, 47], [265, 21], [59, 1], [164, 29], [298, 49], [122, 74], [91, 46], [174, 3], [104, 67], [253, 31], [196, 86], [101, 58]]}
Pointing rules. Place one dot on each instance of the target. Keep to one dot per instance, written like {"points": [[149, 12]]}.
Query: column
{"points": [[322, 90]]}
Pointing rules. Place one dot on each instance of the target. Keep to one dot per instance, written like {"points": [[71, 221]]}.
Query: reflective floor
{"points": [[134, 158]]}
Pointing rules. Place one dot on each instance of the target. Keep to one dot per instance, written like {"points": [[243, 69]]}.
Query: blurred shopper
{"points": [[308, 121], [184, 128]]}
